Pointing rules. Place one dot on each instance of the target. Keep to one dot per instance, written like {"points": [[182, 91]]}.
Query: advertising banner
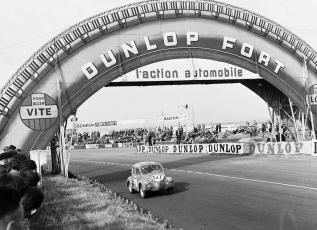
{"points": [[264, 148], [228, 148], [127, 145], [173, 118], [175, 71], [106, 123], [304, 147], [97, 124], [92, 146]]}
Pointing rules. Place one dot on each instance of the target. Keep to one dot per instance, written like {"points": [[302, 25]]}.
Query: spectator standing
{"points": [[182, 131], [178, 136], [149, 138], [269, 126], [263, 128], [8, 153], [255, 125]]}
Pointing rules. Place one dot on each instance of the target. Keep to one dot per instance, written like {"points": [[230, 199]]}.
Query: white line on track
{"points": [[247, 179], [103, 163], [210, 174]]}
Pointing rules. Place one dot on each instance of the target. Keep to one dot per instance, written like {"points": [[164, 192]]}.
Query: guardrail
{"points": [[235, 148], [143, 12]]}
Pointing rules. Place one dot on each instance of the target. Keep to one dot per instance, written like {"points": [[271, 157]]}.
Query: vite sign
{"points": [[38, 111], [172, 40]]}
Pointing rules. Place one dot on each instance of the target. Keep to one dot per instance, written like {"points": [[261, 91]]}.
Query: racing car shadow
{"points": [[178, 188]]}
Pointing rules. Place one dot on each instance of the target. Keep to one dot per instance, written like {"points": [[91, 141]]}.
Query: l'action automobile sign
{"points": [[39, 111]]}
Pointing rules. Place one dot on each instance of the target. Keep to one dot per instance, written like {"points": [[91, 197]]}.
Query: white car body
{"points": [[149, 176]]}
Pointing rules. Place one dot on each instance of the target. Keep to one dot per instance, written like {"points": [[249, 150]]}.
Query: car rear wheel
{"points": [[143, 193], [131, 190]]}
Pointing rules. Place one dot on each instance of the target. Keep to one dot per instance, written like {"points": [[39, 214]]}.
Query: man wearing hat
{"points": [[8, 153]]}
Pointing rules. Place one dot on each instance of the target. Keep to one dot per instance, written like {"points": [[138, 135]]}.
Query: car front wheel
{"points": [[143, 193], [131, 190]]}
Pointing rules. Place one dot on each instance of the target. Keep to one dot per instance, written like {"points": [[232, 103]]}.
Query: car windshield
{"points": [[151, 168]]}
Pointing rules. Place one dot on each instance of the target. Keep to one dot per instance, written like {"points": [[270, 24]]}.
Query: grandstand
{"points": [[138, 131]]}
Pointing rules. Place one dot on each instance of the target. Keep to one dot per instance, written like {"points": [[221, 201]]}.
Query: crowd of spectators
{"points": [[122, 136], [20, 196], [199, 134], [267, 131], [143, 135]]}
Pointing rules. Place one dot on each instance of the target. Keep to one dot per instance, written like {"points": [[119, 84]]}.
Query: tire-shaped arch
{"points": [[132, 15]]}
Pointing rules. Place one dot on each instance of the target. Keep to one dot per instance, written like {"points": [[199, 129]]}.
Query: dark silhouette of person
{"points": [[11, 211], [150, 138], [179, 133], [33, 199]]}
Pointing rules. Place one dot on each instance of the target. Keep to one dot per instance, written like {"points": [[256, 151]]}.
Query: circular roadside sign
{"points": [[39, 111], [312, 96]]}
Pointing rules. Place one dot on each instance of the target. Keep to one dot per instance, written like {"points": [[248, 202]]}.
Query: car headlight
{"points": [[169, 179], [148, 184]]}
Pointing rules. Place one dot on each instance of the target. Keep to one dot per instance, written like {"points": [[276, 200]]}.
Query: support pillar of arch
{"points": [[285, 110]]}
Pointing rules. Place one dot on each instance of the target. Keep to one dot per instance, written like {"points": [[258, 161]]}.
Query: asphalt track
{"points": [[217, 192]]}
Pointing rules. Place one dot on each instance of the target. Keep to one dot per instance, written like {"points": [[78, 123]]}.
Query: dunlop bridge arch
{"points": [[94, 52]]}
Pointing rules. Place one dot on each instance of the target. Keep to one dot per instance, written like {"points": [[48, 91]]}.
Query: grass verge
{"points": [[71, 204]]}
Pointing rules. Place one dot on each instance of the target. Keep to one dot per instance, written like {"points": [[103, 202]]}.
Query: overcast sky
{"points": [[27, 25]]}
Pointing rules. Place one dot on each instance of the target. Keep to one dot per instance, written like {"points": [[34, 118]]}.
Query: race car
{"points": [[149, 176]]}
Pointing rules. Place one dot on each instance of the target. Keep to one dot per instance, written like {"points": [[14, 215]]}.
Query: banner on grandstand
{"points": [[228, 148], [97, 124], [92, 146]]}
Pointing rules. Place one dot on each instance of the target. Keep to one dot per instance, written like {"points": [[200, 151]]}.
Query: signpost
{"points": [[39, 111], [39, 156]]}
